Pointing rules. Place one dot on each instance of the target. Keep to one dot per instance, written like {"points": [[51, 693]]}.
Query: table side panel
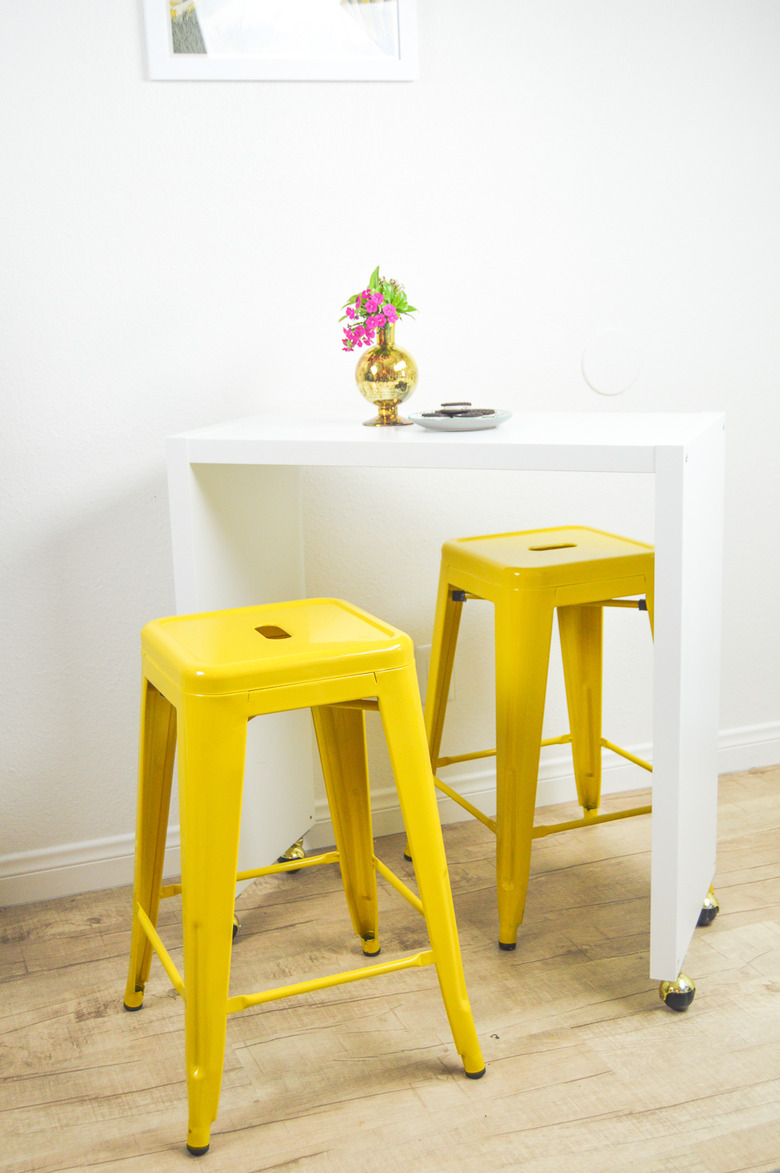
{"points": [[689, 556], [237, 540]]}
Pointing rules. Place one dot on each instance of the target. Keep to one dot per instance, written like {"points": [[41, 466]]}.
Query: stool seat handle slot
{"points": [[271, 631]]}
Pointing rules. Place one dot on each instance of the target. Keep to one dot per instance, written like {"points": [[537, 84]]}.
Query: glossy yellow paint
{"points": [[204, 677], [529, 576]]}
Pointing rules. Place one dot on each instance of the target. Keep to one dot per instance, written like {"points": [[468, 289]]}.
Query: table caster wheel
{"points": [[677, 995], [294, 852], [236, 926], [709, 909]]}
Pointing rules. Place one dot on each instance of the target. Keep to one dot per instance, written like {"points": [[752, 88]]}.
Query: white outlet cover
{"points": [[612, 362]]}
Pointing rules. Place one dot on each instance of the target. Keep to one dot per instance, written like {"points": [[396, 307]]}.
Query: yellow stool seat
{"points": [[204, 677], [528, 576]]}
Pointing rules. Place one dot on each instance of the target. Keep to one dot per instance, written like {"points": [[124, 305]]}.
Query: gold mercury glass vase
{"points": [[386, 376]]}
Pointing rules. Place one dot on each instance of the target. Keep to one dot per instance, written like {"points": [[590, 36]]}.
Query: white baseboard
{"points": [[750, 748], [75, 867], [107, 863], [739, 749]]}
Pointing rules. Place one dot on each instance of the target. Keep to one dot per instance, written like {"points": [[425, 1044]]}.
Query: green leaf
{"points": [[373, 280], [411, 309]]}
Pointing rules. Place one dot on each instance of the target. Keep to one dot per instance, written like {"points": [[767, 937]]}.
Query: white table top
{"points": [[579, 442]]}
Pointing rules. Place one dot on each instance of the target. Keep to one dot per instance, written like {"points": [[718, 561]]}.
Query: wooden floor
{"points": [[586, 1069]]}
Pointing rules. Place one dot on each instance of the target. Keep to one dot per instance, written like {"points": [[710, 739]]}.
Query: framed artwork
{"points": [[281, 40]]}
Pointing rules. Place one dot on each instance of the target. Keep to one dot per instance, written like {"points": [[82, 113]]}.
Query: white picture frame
{"points": [[281, 40]]}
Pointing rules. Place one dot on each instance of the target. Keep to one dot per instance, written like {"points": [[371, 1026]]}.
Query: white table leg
{"points": [[689, 553]]}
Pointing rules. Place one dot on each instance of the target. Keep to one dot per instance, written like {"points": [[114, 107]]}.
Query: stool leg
{"points": [[445, 637], [404, 730], [523, 638], [581, 632], [155, 771], [212, 745], [341, 737]]}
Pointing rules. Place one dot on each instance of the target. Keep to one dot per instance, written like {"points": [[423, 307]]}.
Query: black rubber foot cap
{"points": [[197, 1152], [475, 1074], [679, 1002], [132, 1009], [507, 947], [706, 917], [408, 857]]}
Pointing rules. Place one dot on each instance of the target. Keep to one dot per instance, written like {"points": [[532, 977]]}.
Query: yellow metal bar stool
{"points": [[204, 677], [528, 576]]}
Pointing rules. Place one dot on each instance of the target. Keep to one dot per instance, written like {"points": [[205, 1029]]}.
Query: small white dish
{"points": [[459, 423]]}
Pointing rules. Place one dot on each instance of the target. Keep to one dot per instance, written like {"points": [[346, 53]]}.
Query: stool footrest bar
{"points": [[293, 865], [160, 950], [564, 739], [399, 885], [588, 821], [467, 806], [454, 759], [624, 753], [464, 757], [244, 1001]]}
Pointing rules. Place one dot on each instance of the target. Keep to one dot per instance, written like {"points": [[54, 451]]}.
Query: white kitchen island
{"points": [[237, 539]]}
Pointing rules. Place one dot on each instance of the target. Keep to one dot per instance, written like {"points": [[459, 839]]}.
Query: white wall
{"points": [[177, 253]]}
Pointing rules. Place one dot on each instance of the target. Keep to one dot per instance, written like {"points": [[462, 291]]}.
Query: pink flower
{"points": [[361, 334], [370, 311], [352, 337]]}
